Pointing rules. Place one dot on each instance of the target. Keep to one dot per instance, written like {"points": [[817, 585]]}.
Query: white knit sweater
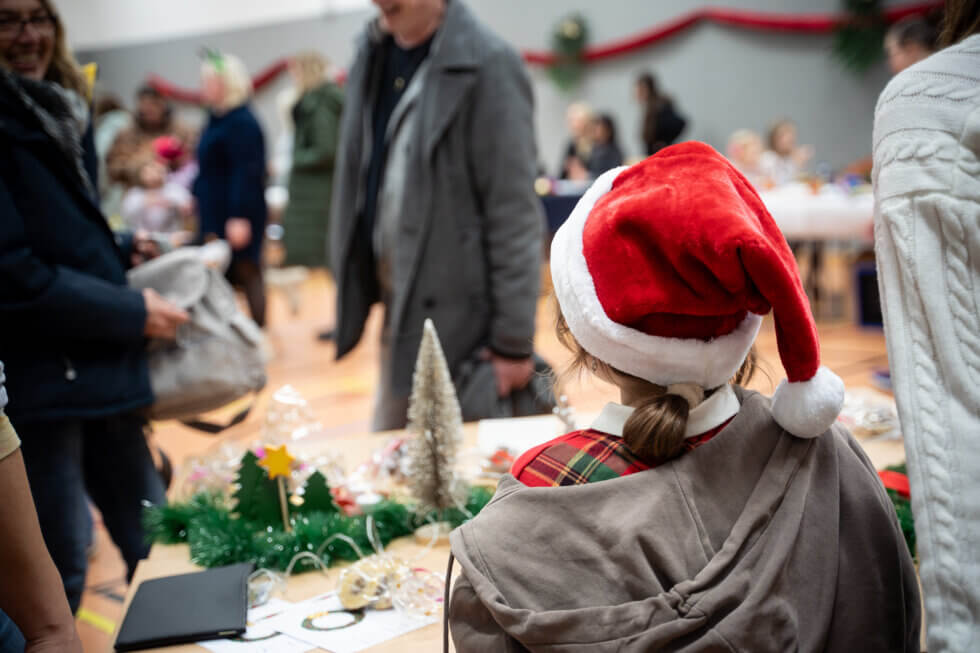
{"points": [[927, 241]]}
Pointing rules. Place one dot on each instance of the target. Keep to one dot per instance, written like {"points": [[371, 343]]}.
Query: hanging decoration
{"points": [[568, 42], [744, 19], [859, 38]]}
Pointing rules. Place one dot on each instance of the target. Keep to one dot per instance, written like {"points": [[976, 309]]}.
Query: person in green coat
{"points": [[316, 116]]}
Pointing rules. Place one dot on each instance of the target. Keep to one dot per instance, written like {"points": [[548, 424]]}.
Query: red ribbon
{"points": [[193, 96], [896, 481], [796, 23]]}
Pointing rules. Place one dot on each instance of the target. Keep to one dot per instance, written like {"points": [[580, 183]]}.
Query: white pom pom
{"points": [[808, 408]]}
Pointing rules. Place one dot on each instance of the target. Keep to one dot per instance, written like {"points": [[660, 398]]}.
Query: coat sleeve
{"points": [[58, 301], [316, 142], [503, 161], [472, 627]]}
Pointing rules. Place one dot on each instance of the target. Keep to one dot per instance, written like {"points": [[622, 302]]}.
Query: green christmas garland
{"points": [[568, 41], [252, 530], [903, 509], [859, 40]]}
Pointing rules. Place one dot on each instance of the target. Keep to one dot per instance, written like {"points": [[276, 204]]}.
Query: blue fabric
{"points": [[11, 640], [106, 458], [71, 332], [231, 182], [3, 390]]}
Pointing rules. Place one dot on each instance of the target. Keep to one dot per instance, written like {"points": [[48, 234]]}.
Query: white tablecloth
{"points": [[830, 214]]}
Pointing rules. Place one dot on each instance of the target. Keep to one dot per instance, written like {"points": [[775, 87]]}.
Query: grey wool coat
{"points": [[470, 225], [755, 541]]}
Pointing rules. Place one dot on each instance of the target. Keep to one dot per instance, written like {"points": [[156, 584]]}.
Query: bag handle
{"points": [[214, 428]]}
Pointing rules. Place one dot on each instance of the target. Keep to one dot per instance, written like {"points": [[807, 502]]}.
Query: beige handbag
{"points": [[217, 356]]}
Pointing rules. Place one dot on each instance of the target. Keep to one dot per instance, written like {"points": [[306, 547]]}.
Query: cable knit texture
{"points": [[927, 241]]}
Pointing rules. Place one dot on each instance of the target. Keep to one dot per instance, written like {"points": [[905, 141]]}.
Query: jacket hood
{"points": [[734, 543]]}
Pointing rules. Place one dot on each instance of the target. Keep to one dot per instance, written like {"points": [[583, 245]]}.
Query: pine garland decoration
{"points": [[903, 509], [217, 536], [568, 42], [434, 417], [859, 40]]}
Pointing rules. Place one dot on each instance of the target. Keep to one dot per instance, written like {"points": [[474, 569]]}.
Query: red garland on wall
{"points": [[796, 23]]}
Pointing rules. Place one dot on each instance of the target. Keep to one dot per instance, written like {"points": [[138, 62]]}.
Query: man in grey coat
{"points": [[434, 212]]}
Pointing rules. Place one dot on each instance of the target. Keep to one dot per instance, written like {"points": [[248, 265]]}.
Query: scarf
{"points": [[62, 114]]}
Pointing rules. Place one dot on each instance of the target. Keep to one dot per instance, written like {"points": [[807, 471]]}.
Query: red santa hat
{"points": [[665, 269]]}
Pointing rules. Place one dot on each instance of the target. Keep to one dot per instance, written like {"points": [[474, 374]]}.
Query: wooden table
{"points": [[170, 560]]}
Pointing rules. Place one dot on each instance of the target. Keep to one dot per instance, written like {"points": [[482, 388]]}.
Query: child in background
{"points": [[157, 206], [695, 515], [784, 161], [745, 150]]}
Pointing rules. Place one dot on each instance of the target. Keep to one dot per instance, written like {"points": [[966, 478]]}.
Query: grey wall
{"points": [[721, 78]]}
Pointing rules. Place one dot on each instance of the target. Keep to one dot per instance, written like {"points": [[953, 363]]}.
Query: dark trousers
{"points": [[246, 275], [108, 459]]}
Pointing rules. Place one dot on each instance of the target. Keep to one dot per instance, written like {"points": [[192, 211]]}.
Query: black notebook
{"points": [[188, 608]]}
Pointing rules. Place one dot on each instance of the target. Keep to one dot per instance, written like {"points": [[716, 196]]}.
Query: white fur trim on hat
{"points": [[657, 359], [808, 408]]}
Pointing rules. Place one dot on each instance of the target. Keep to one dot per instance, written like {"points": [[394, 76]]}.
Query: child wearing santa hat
{"points": [[696, 515]]}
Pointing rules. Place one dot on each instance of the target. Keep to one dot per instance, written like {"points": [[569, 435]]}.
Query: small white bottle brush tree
{"points": [[435, 419]]}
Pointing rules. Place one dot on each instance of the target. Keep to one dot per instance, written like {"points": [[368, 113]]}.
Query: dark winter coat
{"points": [[231, 182], [71, 332], [755, 541], [470, 224], [316, 117]]}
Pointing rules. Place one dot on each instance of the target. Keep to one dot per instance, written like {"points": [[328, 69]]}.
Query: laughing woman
{"points": [[71, 331]]}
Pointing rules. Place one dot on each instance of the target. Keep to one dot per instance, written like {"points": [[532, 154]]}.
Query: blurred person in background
{"points": [[784, 161], [662, 124], [316, 124], [745, 149], [605, 153], [927, 209], [158, 206], [434, 210], [909, 41], [71, 332], [230, 185], [578, 119], [316, 134], [34, 613], [154, 117], [110, 119]]}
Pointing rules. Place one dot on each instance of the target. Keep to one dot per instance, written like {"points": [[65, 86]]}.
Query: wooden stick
{"points": [[284, 505]]}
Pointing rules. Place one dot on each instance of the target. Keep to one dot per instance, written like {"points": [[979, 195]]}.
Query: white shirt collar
{"points": [[714, 411]]}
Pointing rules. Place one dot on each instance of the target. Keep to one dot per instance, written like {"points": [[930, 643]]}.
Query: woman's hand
{"points": [[162, 317], [238, 233]]}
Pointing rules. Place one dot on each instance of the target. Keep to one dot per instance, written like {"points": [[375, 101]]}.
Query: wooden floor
{"points": [[341, 396]]}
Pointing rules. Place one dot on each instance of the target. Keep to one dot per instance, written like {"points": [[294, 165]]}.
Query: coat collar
{"points": [[453, 61], [714, 411]]}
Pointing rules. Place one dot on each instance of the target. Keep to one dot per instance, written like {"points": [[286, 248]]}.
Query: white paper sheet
{"points": [[322, 621], [260, 637]]}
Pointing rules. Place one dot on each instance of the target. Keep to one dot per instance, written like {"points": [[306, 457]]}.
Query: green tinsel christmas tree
{"points": [[257, 496]]}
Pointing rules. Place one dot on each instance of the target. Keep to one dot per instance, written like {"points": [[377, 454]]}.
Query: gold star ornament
{"points": [[277, 461]]}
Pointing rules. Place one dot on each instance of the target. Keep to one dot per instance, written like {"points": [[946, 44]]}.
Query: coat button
{"points": [[71, 374], [428, 303]]}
